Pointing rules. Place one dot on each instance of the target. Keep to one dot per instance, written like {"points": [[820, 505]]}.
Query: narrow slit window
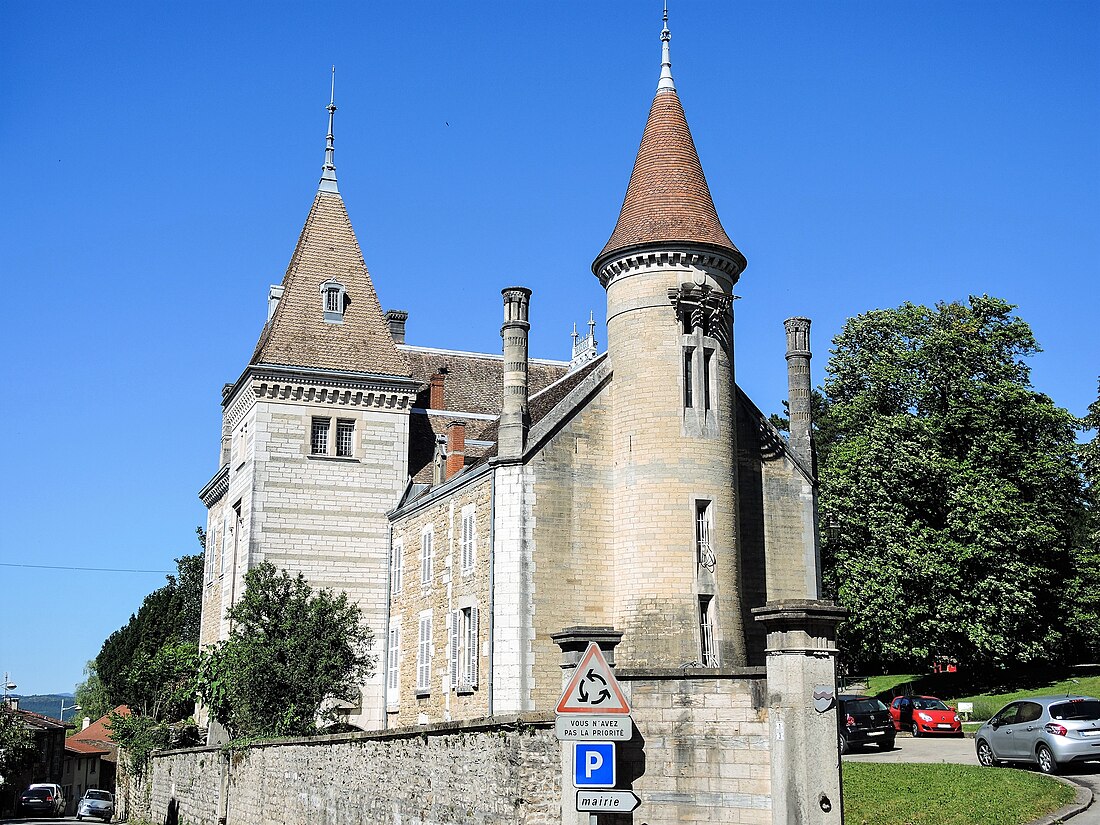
{"points": [[689, 379], [704, 552], [708, 654], [708, 369], [345, 438]]}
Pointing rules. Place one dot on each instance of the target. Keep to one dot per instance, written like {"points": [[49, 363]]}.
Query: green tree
{"points": [[91, 695], [289, 650], [1083, 594], [955, 486], [169, 615], [17, 747]]}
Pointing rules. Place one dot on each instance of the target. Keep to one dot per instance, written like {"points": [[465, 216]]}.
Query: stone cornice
{"points": [[215, 488], [331, 387], [638, 258]]}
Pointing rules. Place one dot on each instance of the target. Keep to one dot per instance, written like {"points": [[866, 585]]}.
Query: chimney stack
{"points": [[512, 430], [456, 447], [435, 397], [798, 388], [87, 723], [397, 319]]}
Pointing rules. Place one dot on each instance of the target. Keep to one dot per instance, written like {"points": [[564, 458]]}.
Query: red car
{"points": [[924, 715]]}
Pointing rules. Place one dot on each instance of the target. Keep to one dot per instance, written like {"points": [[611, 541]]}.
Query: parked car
{"points": [[39, 801], [96, 803], [922, 715], [1050, 731], [863, 720], [57, 793]]}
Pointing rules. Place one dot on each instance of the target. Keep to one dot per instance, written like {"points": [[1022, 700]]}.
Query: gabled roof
{"points": [[83, 747], [668, 200], [298, 334], [100, 729]]}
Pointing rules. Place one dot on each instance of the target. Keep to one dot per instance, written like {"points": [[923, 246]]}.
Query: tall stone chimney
{"points": [[798, 387], [435, 394], [456, 447], [512, 430], [396, 319]]}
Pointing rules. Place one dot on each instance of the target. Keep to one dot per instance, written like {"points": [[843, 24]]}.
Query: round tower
{"points": [[669, 269]]}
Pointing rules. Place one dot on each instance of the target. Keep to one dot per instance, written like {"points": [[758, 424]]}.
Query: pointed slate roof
{"points": [[298, 334], [668, 199]]}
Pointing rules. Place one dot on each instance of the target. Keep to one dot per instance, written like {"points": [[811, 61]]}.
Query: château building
{"points": [[475, 504]]}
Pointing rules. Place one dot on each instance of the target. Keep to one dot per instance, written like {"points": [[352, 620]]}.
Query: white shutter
{"points": [[472, 649], [424, 654], [226, 535], [455, 629], [395, 663]]}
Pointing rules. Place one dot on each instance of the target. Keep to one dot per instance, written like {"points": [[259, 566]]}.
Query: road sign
{"points": [[593, 688], [575, 727], [594, 765], [618, 801]]}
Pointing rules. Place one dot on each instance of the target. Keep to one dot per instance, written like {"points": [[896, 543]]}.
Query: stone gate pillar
{"points": [[801, 667]]}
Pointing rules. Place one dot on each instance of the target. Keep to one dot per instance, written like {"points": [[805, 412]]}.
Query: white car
{"points": [[97, 803]]}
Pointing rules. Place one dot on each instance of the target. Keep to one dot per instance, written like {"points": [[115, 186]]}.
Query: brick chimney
{"points": [[512, 429], [435, 398], [456, 447], [798, 387]]}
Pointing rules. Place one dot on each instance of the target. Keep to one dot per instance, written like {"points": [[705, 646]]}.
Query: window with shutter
{"points": [[455, 627], [424, 654], [397, 567], [393, 676], [226, 535], [472, 649], [469, 547], [426, 557]]}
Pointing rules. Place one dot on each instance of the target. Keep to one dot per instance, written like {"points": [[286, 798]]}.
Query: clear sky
{"points": [[158, 160]]}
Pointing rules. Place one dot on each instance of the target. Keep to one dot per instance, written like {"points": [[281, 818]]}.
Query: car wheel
{"points": [[1046, 760], [985, 755], [844, 746], [886, 745], [916, 730]]}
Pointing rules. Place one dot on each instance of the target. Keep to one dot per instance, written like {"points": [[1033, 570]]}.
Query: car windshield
{"points": [[928, 703], [864, 706], [36, 793], [1080, 710], [103, 795]]}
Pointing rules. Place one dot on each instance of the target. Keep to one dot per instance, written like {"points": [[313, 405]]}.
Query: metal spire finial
{"points": [[328, 171], [666, 61]]}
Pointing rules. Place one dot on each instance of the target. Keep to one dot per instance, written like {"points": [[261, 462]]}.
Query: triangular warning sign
{"points": [[593, 688]]}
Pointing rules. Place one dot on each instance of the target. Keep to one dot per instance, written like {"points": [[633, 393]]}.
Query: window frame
{"points": [[333, 301], [393, 663], [397, 567], [424, 654], [469, 539], [708, 649], [427, 552], [345, 426], [319, 430]]}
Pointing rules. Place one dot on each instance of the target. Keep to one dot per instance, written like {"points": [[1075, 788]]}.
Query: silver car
{"points": [[97, 803], [1050, 731]]}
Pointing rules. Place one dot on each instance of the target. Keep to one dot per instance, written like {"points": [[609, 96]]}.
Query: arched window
{"points": [[333, 298]]}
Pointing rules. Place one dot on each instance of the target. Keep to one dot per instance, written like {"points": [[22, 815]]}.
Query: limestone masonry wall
{"points": [[701, 753]]}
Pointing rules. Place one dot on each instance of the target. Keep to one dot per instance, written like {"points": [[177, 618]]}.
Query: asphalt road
{"points": [[961, 752]]}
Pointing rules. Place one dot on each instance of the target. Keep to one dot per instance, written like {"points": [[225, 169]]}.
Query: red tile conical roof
{"points": [[668, 199]]}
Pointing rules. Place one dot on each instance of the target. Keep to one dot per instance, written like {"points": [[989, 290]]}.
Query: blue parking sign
{"points": [[594, 764]]}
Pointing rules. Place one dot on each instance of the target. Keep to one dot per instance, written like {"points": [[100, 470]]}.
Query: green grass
{"points": [[877, 685], [907, 794], [986, 704]]}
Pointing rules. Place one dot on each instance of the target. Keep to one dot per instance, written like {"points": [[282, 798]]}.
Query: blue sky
{"points": [[158, 161]]}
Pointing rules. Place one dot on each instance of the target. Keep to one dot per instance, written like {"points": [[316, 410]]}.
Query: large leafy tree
{"points": [[290, 650], [954, 486], [17, 746], [169, 616], [1083, 595]]}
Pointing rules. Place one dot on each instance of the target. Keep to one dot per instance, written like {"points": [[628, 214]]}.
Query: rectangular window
{"points": [[708, 362], [393, 662], [463, 648], [426, 557], [345, 438], [211, 549], [397, 567], [469, 534], [708, 653], [424, 653], [318, 437], [704, 552], [227, 534], [689, 379]]}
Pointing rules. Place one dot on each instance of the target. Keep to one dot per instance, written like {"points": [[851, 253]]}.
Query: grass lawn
{"points": [[907, 794], [986, 704]]}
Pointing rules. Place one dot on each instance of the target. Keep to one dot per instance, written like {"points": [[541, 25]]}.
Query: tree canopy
{"points": [[955, 486], [290, 650]]}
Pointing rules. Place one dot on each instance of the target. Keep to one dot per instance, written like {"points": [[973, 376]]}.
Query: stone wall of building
{"points": [[701, 753]]}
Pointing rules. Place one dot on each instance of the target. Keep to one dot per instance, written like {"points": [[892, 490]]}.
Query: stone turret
{"points": [[669, 269], [512, 430], [798, 389]]}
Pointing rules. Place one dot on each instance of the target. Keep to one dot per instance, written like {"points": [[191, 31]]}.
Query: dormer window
{"points": [[333, 298]]}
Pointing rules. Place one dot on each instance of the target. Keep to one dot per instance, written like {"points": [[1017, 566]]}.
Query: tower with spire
{"points": [[669, 269]]}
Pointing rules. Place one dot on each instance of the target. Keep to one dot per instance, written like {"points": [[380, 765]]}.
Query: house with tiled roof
{"points": [[91, 759], [474, 505]]}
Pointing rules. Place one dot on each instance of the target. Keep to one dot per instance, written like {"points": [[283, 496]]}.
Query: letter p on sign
{"points": [[594, 764]]}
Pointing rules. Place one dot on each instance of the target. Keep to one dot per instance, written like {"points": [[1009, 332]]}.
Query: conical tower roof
{"points": [[300, 333], [668, 200]]}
